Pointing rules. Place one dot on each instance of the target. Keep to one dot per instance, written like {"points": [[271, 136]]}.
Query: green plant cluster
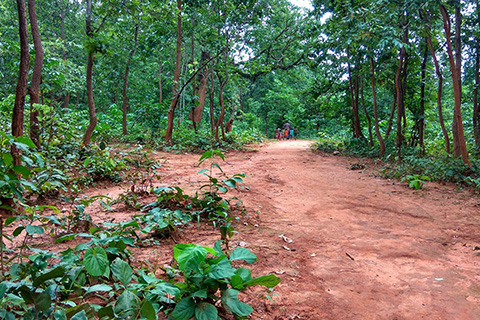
{"points": [[96, 279], [446, 169]]}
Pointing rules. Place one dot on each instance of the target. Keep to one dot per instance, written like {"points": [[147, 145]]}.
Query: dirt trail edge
{"points": [[354, 246]]}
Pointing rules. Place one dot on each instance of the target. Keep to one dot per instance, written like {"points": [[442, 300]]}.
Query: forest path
{"points": [[363, 247]]}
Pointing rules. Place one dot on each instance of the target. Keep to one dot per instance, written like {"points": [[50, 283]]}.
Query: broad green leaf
{"points": [[22, 170], [54, 273], [245, 254], [80, 316], [7, 159], [206, 311], [202, 293], [122, 271], [244, 273], [236, 282], [34, 229], [106, 312], [184, 310], [230, 183], [41, 301], [127, 305], [60, 315], [26, 140], [17, 231], [206, 155], [95, 261], [98, 288], [223, 269], [268, 281], [220, 154], [148, 311], [231, 303], [65, 238], [182, 252]]}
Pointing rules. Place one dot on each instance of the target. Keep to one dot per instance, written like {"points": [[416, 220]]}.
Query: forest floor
{"points": [[346, 244]]}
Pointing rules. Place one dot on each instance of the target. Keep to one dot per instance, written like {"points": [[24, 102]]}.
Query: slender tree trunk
{"points": [[399, 87], [399, 91], [176, 77], [439, 91], [34, 90], [64, 51], [459, 144], [212, 104], [392, 114], [353, 87], [89, 82], [421, 117], [476, 102], [369, 120], [458, 45], [21, 90], [160, 99], [221, 117], [125, 82], [375, 112]]}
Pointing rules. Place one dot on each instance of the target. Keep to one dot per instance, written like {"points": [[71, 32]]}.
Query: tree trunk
{"points": [[64, 51], [399, 87], [196, 113], [476, 102], [21, 90], [160, 98], [439, 92], [221, 117], [459, 144], [392, 113], [369, 120], [375, 113], [353, 87], [420, 123], [34, 90], [176, 77], [89, 82], [212, 104], [125, 82]]}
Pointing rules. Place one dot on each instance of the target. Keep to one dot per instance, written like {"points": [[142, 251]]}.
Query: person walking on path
{"points": [[287, 127]]}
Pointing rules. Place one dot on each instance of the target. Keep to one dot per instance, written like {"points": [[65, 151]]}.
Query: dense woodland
{"points": [[396, 80]]}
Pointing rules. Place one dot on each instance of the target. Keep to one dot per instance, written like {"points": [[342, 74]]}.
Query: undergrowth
{"points": [[96, 278]]}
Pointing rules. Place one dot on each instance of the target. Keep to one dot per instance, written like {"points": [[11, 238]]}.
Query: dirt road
{"points": [[354, 246]]}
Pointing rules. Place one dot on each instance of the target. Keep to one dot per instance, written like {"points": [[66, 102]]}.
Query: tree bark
{"points": [[375, 112], [400, 90], [459, 144], [392, 114], [353, 87], [21, 90], [369, 120], [196, 112], [212, 104], [439, 92], [125, 82], [176, 77], [34, 90], [160, 98], [89, 82], [476, 102], [221, 117], [420, 123]]}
